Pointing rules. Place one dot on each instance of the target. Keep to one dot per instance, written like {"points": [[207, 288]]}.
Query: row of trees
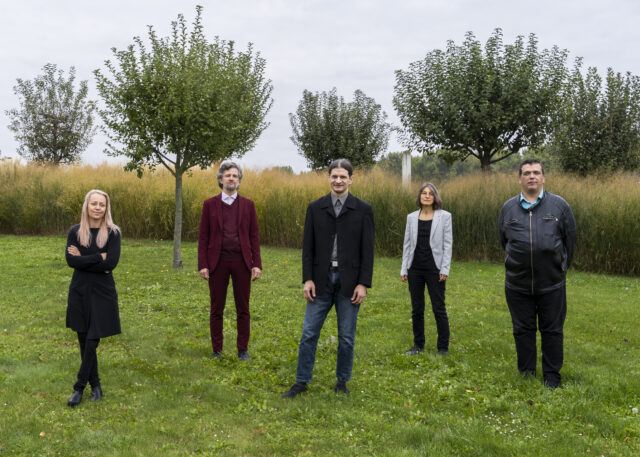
{"points": [[495, 102], [197, 102], [181, 102], [490, 104]]}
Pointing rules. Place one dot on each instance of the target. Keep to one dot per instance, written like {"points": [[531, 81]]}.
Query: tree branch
{"points": [[163, 160], [503, 157]]}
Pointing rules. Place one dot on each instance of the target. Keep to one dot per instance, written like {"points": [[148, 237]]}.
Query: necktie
{"points": [[338, 207], [334, 253]]}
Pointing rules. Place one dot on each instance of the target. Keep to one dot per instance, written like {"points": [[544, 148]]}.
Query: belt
{"points": [[334, 263]]}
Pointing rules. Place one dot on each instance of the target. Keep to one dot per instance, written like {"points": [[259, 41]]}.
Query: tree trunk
{"points": [[177, 225], [485, 163]]}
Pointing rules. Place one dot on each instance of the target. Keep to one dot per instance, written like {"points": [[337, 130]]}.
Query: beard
{"points": [[231, 188]]}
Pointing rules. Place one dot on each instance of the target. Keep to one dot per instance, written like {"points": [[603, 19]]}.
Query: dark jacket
{"points": [[355, 230], [538, 243], [92, 306], [210, 234]]}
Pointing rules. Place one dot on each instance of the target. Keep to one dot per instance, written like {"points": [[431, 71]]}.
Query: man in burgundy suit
{"points": [[229, 246]]}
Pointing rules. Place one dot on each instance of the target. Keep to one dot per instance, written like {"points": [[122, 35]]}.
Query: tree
{"points": [[463, 102], [598, 129], [183, 103], [54, 123], [325, 128]]}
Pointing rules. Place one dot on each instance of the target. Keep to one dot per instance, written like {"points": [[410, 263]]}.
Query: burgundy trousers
{"points": [[218, 284]]}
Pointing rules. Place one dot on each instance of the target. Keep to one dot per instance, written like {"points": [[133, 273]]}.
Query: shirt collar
{"points": [[229, 199], [335, 198], [528, 205]]}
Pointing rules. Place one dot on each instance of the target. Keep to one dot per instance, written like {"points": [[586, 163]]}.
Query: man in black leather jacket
{"points": [[538, 233]]}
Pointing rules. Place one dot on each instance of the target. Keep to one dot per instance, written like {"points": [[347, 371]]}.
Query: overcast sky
{"points": [[312, 45]]}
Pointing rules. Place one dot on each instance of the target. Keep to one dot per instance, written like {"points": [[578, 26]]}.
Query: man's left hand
{"points": [[359, 294], [255, 273]]}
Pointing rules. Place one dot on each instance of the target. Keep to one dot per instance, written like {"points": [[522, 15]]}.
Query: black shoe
{"points": [[443, 352], [414, 350], [528, 374], [96, 393], [341, 387], [295, 389], [216, 355], [243, 356], [75, 399], [551, 384]]}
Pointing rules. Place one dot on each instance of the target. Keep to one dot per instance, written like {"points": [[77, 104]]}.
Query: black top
{"points": [[422, 256], [92, 306]]}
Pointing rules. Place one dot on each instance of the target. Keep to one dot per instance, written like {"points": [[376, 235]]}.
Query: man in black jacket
{"points": [[538, 233], [337, 266]]}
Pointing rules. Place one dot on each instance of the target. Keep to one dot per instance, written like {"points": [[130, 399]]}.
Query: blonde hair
{"points": [[106, 225]]}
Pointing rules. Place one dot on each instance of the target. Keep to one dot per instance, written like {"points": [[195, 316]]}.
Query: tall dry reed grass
{"points": [[45, 200]]}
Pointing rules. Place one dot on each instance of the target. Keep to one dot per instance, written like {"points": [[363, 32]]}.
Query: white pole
{"points": [[406, 168]]}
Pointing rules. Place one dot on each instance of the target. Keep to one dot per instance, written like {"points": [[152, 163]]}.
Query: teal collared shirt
{"points": [[526, 205]]}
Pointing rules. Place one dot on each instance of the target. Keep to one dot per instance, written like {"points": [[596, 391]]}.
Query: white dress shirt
{"points": [[229, 199]]}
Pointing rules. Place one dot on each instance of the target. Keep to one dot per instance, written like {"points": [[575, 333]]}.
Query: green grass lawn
{"points": [[164, 396]]}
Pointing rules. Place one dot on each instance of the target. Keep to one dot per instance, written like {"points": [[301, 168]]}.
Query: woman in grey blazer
{"points": [[426, 258]]}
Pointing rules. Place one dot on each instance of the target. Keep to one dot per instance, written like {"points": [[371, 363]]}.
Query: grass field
{"points": [[165, 397]]}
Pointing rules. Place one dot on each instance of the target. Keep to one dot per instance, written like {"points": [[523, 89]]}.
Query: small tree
{"points": [[598, 129], [488, 104], [325, 128], [183, 103], [54, 123]]}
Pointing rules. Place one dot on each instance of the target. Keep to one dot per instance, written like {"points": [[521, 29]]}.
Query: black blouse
{"points": [[422, 256]]}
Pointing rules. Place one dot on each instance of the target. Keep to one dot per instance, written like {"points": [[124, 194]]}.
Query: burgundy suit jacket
{"points": [[210, 234]]}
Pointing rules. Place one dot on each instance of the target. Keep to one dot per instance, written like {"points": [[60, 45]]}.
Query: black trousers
{"points": [[550, 309], [417, 281], [88, 372]]}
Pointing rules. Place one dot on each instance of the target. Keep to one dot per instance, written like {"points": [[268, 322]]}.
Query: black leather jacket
{"points": [[538, 243]]}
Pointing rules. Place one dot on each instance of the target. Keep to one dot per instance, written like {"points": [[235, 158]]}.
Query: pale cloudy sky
{"points": [[308, 44]]}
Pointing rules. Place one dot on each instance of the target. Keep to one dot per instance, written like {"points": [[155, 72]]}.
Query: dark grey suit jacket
{"points": [[355, 230]]}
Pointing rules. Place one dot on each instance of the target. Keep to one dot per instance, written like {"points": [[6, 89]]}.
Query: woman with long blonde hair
{"points": [[93, 251]]}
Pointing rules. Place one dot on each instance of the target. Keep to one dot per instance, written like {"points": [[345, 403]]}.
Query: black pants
{"points": [[89, 368], [550, 309], [417, 281]]}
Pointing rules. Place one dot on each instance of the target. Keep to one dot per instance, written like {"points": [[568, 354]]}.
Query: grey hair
{"points": [[226, 165], [437, 201]]}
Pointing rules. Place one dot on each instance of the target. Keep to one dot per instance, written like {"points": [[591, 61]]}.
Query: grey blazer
{"points": [[441, 240]]}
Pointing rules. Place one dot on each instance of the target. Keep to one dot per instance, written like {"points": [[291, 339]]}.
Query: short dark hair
{"points": [[530, 162], [227, 165], [437, 201], [341, 163]]}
